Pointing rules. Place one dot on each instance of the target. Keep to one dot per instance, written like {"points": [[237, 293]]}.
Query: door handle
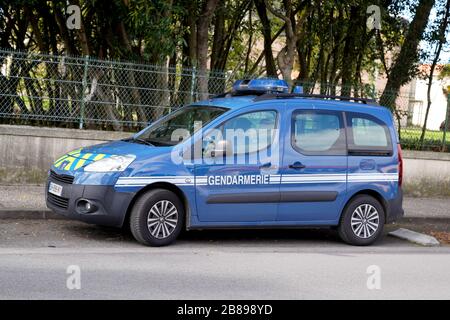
{"points": [[297, 165], [266, 165]]}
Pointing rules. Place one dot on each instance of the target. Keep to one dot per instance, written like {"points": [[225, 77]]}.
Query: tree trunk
{"points": [[404, 66], [202, 46], [135, 94], [271, 68], [218, 46], [189, 55], [12, 84], [85, 47], [63, 32], [348, 60], [441, 36], [218, 37], [303, 47], [262, 55], [286, 56], [250, 43]]}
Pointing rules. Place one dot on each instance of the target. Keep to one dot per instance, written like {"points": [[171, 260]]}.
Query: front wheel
{"points": [[157, 218], [362, 221]]}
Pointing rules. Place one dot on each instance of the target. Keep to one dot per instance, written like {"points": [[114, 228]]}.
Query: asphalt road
{"points": [[283, 264]]}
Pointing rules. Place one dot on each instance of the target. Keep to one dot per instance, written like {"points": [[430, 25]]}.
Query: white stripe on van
{"points": [[273, 179]]}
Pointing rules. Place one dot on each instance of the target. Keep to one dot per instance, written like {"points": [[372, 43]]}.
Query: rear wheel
{"points": [[157, 218], [362, 221]]}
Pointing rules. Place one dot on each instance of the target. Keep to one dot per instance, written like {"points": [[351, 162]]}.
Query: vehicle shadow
{"points": [[101, 233], [265, 235]]}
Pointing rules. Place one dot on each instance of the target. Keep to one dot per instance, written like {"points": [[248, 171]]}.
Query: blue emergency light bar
{"points": [[265, 89], [261, 85]]}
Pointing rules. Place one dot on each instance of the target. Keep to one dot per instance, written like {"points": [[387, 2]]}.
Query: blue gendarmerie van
{"points": [[256, 157]]}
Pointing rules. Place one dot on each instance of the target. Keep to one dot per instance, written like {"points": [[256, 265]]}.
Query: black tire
{"points": [[349, 233], [142, 211]]}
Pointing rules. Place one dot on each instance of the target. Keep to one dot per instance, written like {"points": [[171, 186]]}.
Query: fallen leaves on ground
{"points": [[442, 236]]}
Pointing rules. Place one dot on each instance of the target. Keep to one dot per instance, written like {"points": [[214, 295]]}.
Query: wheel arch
{"points": [[370, 192], [161, 185]]}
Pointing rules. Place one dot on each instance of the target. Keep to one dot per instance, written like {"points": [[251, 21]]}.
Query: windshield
{"points": [[179, 125]]}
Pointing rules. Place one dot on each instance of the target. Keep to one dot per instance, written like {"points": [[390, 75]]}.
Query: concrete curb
{"points": [[31, 214], [415, 237]]}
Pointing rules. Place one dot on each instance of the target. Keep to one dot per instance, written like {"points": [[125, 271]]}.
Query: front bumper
{"points": [[111, 206]]}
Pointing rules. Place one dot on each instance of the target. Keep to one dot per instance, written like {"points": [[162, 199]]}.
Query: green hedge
{"points": [[410, 140]]}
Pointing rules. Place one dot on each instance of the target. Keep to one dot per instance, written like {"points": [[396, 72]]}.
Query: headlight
{"points": [[113, 163]]}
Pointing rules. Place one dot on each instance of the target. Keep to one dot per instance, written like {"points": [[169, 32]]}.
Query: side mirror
{"points": [[222, 148]]}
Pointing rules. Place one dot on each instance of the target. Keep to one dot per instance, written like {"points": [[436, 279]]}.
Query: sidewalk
{"points": [[24, 197], [32, 198]]}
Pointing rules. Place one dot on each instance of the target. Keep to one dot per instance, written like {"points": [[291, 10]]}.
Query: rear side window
{"points": [[318, 132], [367, 135]]}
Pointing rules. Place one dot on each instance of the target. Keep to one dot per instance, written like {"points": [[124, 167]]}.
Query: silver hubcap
{"points": [[162, 219], [365, 221]]}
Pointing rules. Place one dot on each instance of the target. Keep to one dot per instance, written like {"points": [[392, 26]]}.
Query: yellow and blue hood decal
{"points": [[77, 159]]}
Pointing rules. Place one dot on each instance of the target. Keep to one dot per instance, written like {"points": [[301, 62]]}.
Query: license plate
{"points": [[55, 189]]}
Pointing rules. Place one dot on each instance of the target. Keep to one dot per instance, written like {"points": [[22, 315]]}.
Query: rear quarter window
{"points": [[367, 135]]}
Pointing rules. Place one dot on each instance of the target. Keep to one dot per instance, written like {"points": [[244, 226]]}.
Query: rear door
{"points": [[314, 165], [372, 162]]}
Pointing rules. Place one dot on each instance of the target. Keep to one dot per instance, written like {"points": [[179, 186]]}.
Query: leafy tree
{"points": [[436, 38], [325, 42], [405, 66]]}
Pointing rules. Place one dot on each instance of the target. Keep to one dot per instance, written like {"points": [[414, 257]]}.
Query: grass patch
{"points": [[410, 140], [22, 176]]}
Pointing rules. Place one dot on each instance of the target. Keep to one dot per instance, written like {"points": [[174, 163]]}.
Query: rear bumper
{"points": [[111, 206], [394, 207]]}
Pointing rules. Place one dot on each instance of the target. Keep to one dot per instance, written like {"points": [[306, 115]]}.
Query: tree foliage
{"points": [[322, 42]]}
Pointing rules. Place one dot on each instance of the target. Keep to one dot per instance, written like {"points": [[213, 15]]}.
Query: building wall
{"points": [[438, 104], [26, 153]]}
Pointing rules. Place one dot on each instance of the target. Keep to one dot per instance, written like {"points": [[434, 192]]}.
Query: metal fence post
{"points": [[83, 90], [191, 99], [446, 124]]}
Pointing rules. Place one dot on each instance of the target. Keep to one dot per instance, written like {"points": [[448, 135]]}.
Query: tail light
{"points": [[400, 165]]}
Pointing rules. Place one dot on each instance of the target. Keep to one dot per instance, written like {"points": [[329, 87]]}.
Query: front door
{"points": [[314, 166], [241, 186]]}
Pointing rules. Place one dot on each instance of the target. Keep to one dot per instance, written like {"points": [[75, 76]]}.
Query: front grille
{"points": [[58, 201], [61, 177]]}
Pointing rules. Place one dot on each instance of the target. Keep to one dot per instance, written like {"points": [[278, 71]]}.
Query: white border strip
{"points": [[273, 179]]}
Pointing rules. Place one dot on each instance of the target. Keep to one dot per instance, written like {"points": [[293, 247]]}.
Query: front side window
{"points": [[368, 134], [246, 133], [180, 125], [317, 132]]}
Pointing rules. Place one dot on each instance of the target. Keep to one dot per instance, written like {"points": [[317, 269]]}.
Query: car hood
{"points": [[79, 158]]}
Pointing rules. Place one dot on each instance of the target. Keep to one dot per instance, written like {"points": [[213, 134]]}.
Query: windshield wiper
{"points": [[139, 140]]}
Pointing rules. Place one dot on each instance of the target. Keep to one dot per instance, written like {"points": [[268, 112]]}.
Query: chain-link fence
{"points": [[91, 93], [82, 92]]}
